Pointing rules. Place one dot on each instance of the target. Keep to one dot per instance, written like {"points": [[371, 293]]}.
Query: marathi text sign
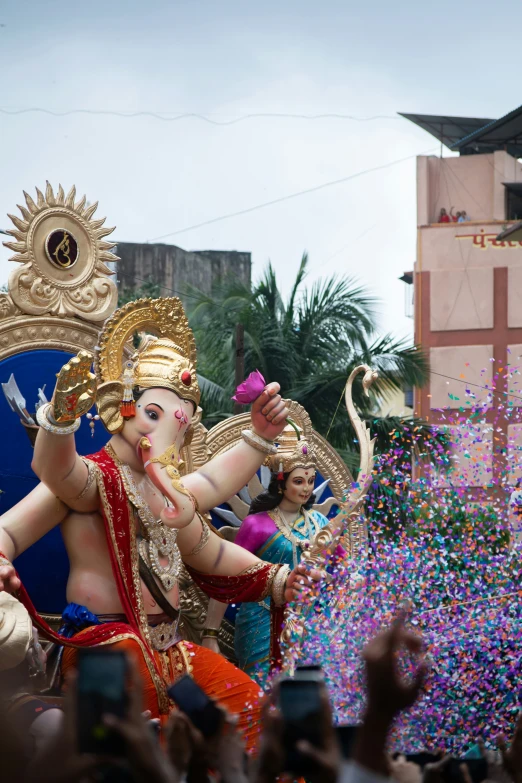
{"points": [[483, 240]]}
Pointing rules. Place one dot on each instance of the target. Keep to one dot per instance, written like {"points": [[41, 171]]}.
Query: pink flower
{"points": [[249, 390]]}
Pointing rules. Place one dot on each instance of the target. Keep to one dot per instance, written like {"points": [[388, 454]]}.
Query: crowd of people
{"points": [[458, 217], [39, 739]]}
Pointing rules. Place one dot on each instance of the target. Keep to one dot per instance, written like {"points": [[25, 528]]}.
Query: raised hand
{"points": [[300, 582], [9, 582], [512, 757], [75, 389], [269, 413], [388, 692]]}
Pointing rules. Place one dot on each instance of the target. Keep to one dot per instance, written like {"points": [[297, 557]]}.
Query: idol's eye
{"points": [[152, 415]]}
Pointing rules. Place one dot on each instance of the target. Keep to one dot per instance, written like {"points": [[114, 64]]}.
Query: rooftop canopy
{"points": [[473, 136], [448, 130]]}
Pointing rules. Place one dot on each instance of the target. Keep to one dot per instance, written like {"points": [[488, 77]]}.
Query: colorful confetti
{"points": [[438, 543]]}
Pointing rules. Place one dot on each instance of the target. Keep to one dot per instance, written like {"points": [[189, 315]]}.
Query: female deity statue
{"points": [[280, 523]]}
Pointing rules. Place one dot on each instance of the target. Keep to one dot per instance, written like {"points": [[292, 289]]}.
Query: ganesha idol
{"points": [[134, 515], [132, 520], [128, 518]]}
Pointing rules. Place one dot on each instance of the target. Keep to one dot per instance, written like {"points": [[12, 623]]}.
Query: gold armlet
{"points": [[278, 588], [203, 541], [91, 476]]}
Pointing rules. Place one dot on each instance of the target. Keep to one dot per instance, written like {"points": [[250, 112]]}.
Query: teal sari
{"points": [[252, 634]]}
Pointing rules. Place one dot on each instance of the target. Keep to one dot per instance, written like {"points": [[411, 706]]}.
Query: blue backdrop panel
{"points": [[44, 567]]}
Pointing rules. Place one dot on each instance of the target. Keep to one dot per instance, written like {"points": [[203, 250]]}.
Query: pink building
{"points": [[468, 286]]}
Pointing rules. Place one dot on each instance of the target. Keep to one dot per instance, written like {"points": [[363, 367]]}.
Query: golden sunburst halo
{"points": [[63, 255]]}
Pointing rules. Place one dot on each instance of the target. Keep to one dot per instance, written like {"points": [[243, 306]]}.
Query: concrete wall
{"points": [[470, 182], [461, 259], [468, 316], [175, 269]]}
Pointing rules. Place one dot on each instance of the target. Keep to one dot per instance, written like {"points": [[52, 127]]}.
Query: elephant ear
{"points": [[108, 401]]}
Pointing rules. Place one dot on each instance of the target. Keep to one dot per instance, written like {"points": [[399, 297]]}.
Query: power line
{"points": [[194, 115], [477, 385], [431, 372], [289, 197]]}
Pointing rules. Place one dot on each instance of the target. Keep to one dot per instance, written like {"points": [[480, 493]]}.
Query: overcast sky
{"points": [[229, 59]]}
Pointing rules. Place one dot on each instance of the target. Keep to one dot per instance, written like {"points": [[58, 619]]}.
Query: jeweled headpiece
{"points": [[293, 451], [167, 360]]}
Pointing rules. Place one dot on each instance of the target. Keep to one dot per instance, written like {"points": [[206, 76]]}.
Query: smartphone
{"points": [[101, 690], [478, 770], [300, 705], [422, 758], [346, 737], [312, 672], [194, 702]]}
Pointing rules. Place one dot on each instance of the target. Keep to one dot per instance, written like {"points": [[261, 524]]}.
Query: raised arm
{"points": [[226, 474], [55, 460], [219, 479], [23, 525]]}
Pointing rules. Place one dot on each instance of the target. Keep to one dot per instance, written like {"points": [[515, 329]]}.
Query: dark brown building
{"points": [[175, 270]]}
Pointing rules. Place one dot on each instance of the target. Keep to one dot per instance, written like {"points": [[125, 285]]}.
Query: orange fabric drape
{"points": [[219, 679]]}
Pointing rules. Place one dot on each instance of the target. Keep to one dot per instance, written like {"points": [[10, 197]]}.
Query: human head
{"points": [[290, 486], [464, 213], [442, 211], [458, 214]]}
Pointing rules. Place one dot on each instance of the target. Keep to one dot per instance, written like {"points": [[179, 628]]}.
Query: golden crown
{"points": [[167, 360], [158, 362], [293, 451]]}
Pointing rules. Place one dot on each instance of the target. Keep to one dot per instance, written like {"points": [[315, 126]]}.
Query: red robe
{"points": [[218, 677]]}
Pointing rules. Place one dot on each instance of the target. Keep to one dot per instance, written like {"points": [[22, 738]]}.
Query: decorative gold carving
{"points": [[7, 307], [330, 535], [163, 317], [62, 252], [25, 333]]}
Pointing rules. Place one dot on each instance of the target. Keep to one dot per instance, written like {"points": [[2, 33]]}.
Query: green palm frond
{"points": [[309, 343]]}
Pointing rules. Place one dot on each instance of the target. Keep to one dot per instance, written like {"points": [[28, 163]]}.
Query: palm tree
{"points": [[308, 343]]}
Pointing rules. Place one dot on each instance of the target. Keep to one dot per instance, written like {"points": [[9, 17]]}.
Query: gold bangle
{"points": [[210, 633], [279, 585], [258, 443], [42, 417]]}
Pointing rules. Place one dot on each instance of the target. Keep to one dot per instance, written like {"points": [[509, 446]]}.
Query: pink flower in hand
{"points": [[249, 390]]}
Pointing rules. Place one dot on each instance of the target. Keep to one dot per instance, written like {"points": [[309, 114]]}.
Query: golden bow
{"points": [[326, 539]]}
